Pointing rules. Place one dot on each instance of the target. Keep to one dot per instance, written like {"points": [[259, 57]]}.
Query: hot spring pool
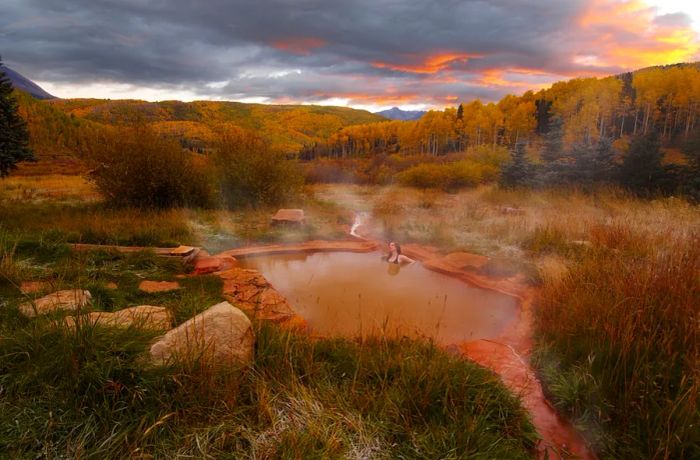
{"points": [[350, 294]]}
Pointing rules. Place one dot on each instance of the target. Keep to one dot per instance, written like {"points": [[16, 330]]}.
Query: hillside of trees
{"points": [[663, 100], [198, 124], [582, 130]]}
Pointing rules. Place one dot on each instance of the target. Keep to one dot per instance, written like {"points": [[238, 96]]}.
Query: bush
{"points": [[448, 176], [329, 172], [137, 168], [250, 173]]}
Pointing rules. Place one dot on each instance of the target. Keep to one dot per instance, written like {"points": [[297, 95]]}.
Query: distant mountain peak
{"points": [[22, 83], [396, 113]]}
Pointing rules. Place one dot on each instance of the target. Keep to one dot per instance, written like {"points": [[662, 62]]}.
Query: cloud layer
{"points": [[362, 52]]}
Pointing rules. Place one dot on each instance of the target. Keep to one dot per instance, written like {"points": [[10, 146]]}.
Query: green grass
{"points": [[94, 223], [90, 391]]}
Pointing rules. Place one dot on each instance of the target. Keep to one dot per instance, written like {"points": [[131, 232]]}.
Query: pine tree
{"points": [[691, 174], [553, 142], [604, 160], [460, 112], [642, 170], [519, 171], [14, 136]]}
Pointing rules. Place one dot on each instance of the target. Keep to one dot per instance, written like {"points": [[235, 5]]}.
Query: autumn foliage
{"points": [[136, 167]]}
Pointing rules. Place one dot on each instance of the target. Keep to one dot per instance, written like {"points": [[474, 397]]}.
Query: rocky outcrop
{"points": [[158, 286], [221, 335], [249, 290], [66, 300], [142, 316]]}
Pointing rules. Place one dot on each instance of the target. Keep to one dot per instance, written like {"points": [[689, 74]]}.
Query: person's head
{"points": [[394, 246]]}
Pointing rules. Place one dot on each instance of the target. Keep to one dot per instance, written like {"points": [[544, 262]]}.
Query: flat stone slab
{"points": [[212, 264], [66, 300], [142, 316], [159, 286], [29, 287], [182, 251], [308, 246], [294, 216]]}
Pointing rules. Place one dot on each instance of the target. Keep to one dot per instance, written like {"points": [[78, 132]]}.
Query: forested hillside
{"points": [[664, 100], [197, 124], [583, 127]]}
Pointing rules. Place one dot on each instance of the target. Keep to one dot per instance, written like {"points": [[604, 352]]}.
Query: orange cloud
{"points": [[430, 64], [625, 34], [301, 46]]}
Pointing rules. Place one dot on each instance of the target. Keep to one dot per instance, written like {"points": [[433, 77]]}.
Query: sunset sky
{"points": [[370, 54]]}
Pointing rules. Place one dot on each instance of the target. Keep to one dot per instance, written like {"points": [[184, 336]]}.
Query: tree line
{"points": [[663, 100]]}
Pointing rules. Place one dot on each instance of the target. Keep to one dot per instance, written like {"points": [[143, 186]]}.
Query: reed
{"points": [[619, 343]]}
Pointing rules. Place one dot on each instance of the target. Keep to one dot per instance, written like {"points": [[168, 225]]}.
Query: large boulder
{"points": [[221, 335], [142, 316], [66, 300]]}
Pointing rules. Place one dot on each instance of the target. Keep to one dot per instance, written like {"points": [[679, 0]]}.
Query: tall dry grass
{"points": [[623, 328], [95, 223]]}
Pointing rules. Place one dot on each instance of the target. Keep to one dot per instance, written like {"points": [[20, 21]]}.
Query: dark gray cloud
{"points": [[299, 49]]}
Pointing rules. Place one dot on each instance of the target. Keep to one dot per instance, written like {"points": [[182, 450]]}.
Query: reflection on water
{"points": [[351, 294]]}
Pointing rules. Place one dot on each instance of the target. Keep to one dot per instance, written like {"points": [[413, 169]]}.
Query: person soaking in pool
{"points": [[395, 256]]}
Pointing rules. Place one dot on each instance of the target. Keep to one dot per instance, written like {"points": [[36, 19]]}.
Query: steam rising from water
{"points": [[360, 219]]}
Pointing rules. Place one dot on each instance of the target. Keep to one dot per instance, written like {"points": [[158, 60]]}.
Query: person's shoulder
{"points": [[403, 258]]}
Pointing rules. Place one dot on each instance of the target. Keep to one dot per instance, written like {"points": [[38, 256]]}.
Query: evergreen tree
{"points": [[604, 160], [642, 170], [460, 112], [519, 171], [553, 144], [594, 164], [691, 173], [14, 136]]}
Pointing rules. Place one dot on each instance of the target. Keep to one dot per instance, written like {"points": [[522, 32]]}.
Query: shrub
{"points": [[448, 176], [425, 175], [329, 171], [137, 168], [249, 173]]}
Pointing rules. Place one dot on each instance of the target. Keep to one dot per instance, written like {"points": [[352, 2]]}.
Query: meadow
{"points": [[615, 335], [88, 391]]}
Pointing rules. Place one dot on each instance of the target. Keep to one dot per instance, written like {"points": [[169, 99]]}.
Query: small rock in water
{"points": [[67, 300], [221, 335]]}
